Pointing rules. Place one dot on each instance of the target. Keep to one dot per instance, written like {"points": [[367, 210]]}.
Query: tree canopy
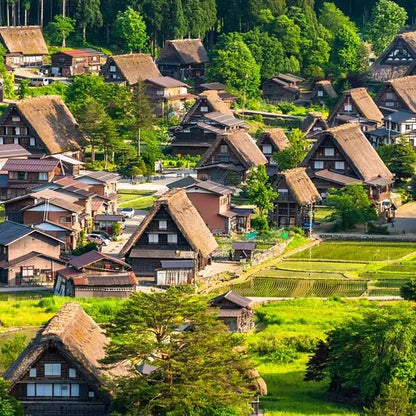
{"points": [[292, 156]]}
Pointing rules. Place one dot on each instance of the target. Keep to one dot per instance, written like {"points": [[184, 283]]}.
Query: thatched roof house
{"points": [[25, 45], [270, 142], [130, 68], [355, 105], [398, 59], [398, 94], [172, 230], [67, 349], [49, 121], [313, 123]]}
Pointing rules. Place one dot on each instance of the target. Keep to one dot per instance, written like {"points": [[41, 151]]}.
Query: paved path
{"points": [[260, 300]]}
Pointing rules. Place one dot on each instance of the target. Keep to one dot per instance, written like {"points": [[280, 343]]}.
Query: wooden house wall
{"points": [[275, 93], [194, 142], [109, 76], [388, 98], [33, 242]]}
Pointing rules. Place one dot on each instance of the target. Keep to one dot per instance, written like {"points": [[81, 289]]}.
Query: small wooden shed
{"points": [[175, 272], [243, 250]]}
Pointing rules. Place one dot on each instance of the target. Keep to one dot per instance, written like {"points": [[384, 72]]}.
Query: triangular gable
{"points": [[390, 55]]}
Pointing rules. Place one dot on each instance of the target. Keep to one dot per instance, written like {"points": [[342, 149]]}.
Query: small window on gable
{"points": [[72, 373], [153, 238], [15, 118], [318, 164], [172, 238], [267, 149], [32, 372], [339, 165], [91, 394], [52, 369], [329, 151], [112, 68], [320, 93], [32, 141], [163, 225], [204, 109], [347, 107], [31, 390], [224, 148], [16, 140]]}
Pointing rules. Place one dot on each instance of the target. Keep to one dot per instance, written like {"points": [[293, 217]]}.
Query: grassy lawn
{"points": [[136, 199], [358, 251], [321, 214], [1, 213], [318, 266], [303, 321]]}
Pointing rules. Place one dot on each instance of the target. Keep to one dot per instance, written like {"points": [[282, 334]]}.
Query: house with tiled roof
{"points": [[183, 59], [95, 274], [28, 256], [12, 151], [174, 231], [59, 372], [229, 158], [343, 155], [282, 87], [71, 62]]}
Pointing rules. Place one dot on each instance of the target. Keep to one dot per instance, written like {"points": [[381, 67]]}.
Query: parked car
{"points": [[127, 212], [103, 234], [39, 82], [98, 237]]}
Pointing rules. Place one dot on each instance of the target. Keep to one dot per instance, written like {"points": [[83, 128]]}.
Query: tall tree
{"points": [[88, 14], [196, 371], [60, 29], [177, 24], [387, 18], [292, 156]]}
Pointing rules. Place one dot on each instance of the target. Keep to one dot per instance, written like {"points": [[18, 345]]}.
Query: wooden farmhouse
{"points": [[343, 155], [272, 141], [228, 98], [93, 275], [59, 372], [312, 124], [168, 95], [183, 59], [12, 151], [25, 45], [282, 87], [323, 92], [398, 59], [129, 69], [213, 203], [207, 118], [298, 195], [235, 311], [356, 106], [229, 159], [43, 126], [172, 230], [71, 62], [27, 256]]}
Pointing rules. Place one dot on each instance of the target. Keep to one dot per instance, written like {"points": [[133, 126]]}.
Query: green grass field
{"points": [[1, 213], [136, 199], [326, 266]]}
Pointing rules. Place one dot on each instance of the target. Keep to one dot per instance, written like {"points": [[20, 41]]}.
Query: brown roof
{"points": [[328, 88], [186, 218], [216, 102], [75, 335], [30, 165], [27, 40], [61, 203], [301, 186], [242, 144], [190, 51], [13, 150], [405, 88], [101, 176], [166, 82], [362, 102], [232, 297], [276, 136], [52, 121], [91, 257], [335, 177], [364, 160], [310, 120], [136, 67]]}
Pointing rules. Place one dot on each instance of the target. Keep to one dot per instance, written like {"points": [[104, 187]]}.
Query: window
{"points": [[112, 68], [74, 390], [389, 96], [15, 118], [389, 103], [339, 165], [31, 389], [61, 390], [91, 394], [43, 389], [267, 149], [72, 373], [17, 131], [223, 148], [32, 141], [204, 109], [32, 372], [408, 127], [15, 140], [347, 107], [153, 238], [1, 140], [316, 128], [329, 151], [64, 220], [318, 164], [43, 176], [52, 369], [172, 238], [28, 271], [163, 225], [16, 60], [320, 93], [160, 92]]}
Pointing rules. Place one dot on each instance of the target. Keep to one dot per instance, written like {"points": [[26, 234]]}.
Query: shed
{"points": [[243, 250], [175, 272]]}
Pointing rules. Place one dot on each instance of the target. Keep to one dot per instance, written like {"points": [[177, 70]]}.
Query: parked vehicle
{"points": [[103, 234], [39, 82], [127, 212], [98, 237]]}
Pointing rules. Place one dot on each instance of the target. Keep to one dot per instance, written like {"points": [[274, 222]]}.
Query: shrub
{"points": [[260, 223], [377, 229]]}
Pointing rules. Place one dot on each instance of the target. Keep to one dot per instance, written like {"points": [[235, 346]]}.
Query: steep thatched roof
{"points": [[327, 87], [215, 101], [405, 88], [136, 67], [27, 40], [76, 336], [189, 51], [241, 144], [351, 141], [276, 136], [310, 120], [301, 186], [363, 103], [186, 218], [51, 120]]}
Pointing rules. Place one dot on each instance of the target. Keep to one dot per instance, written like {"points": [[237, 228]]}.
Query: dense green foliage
{"points": [[9, 406], [292, 156], [408, 291]]}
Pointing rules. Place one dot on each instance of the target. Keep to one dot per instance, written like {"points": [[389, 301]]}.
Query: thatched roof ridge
{"points": [[52, 121], [136, 67], [301, 186], [190, 51], [310, 120], [327, 86], [75, 335], [186, 218], [215, 101], [243, 146], [362, 101], [276, 136], [405, 88], [27, 40]]}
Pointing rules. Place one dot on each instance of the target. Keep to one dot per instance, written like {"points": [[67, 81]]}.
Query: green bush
{"points": [[260, 224], [377, 229], [275, 350]]}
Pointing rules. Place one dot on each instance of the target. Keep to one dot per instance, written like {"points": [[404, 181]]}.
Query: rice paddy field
{"points": [[336, 268]]}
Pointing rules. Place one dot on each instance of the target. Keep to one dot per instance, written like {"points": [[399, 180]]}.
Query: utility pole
{"points": [[310, 220], [245, 93]]}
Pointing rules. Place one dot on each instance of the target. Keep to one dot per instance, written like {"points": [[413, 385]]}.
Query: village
{"points": [[177, 238]]}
